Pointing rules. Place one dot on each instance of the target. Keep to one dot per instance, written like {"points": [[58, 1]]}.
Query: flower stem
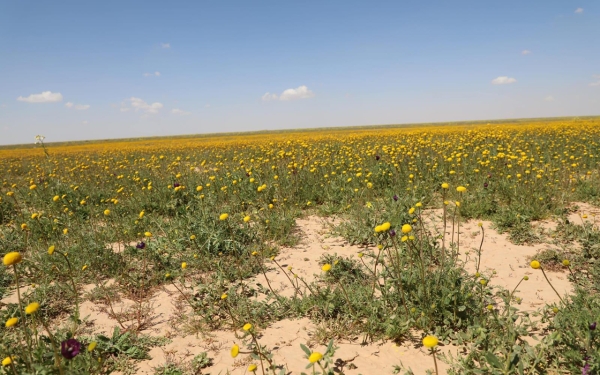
{"points": [[552, 286]]}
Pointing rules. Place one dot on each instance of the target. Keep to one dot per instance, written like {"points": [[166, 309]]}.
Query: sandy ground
{"points": [[506, 262]]}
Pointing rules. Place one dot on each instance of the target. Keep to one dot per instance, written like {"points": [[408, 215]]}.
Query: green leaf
{"points": [[305, 349], [493, 360]]}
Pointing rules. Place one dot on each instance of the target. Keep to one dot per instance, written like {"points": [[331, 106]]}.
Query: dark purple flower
{"points": [[490, 175], [176, 184], [247, 174], [70, 348], [485, 184], [377, 157], [593, 326], [141, 245], [395, 198], [392, 233]]}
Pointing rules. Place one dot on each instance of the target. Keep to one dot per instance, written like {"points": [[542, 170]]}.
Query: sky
{"points": [[77, 70]]}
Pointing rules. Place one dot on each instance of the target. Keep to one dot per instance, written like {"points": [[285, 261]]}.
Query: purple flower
{"points": [[377, 157], [485, 185], [176, 184], [586, 369], [395, 198], [593, 326], [141, 245], [70, 348], [392, 233]]}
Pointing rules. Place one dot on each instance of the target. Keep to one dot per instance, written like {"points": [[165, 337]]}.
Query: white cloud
{"points": [[597, 78], [138, 104], [79, 107], [44, 97], [301, 92], [268, 97], [177, 111], [503, 80], [84, 122], [165, 45], [207, 106], [155, 74], [549, 98], [525, 52], [579, 10]]}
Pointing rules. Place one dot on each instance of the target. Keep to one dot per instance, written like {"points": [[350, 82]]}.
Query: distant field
{"points": [[301, 131]]}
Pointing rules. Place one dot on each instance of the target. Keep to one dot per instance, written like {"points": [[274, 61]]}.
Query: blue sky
{"points": [[73, 70]]}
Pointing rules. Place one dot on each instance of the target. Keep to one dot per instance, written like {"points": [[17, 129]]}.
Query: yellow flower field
{"points": [[111, 220]]}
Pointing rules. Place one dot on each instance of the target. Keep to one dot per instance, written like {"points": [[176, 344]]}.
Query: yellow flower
{"points": [[315, 357], [24, 226], [525, 278], [183, 265], [142, 213], [223, 217], [35, 216], [360, 255], [411, 211], [490, 307], [66, 230], [32, 308], [33, 187], [11, 322], [430, 341], [566, 263], [385, 226], [483, 282], [378, 229], [246, 219], [199, 188], [535, 264], [6, 361], [10, 193], [406, 228], [235, 350], [12, 258], [51, 250], [252, 368], [56, 198], [106, 212], [84, 267], [247, 327], [461, 189], [147, 234], [193, 237], [445, 185], [224, 296], [91, 346], [326, 267]]}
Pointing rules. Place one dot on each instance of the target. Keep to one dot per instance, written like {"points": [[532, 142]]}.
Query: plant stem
{"points": [[552, 286]]}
